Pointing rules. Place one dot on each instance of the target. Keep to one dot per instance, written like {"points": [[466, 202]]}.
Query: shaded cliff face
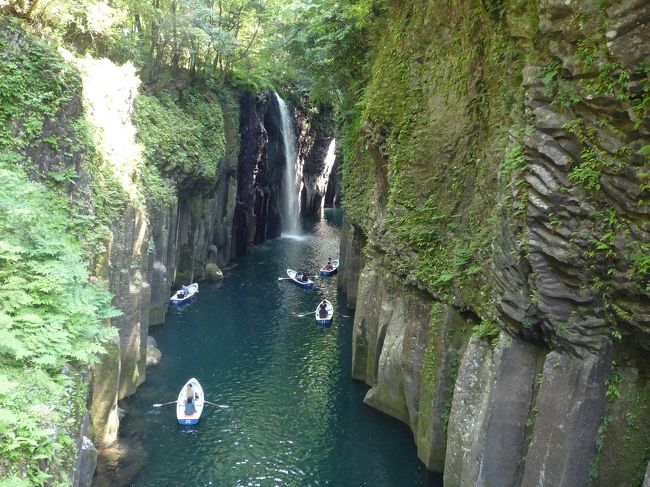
{"points": [[510, 163], [317, 158], [262, 166], [257, 215]]}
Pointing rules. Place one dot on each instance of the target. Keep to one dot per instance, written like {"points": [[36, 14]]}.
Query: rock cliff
{"points": [[212, 221], [164, 189], [498, 260]]}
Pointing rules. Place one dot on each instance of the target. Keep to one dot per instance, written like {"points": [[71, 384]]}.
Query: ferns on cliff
{"points": [[182, 139], [51, 317]]}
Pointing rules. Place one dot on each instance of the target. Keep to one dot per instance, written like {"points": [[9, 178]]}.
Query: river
{"points": [[294, 417]]}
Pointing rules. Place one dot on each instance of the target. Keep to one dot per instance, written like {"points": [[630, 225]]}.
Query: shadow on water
{"points": [[294, 415]]}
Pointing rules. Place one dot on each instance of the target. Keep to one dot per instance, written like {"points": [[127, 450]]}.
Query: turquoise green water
{"points": [[293, 416]]}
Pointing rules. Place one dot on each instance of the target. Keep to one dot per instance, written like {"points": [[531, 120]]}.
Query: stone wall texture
{"points": [[500, 275]]}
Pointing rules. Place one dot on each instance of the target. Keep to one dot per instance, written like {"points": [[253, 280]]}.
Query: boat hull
{"points": [[330, 272], [305, 285], [188, 422], [177, 300], [181, 416], [325, 321]]}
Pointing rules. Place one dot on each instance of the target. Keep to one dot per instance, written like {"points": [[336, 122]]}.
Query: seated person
{"points": [[329, 265], [322, 311], [190, 395], [189, 407]]}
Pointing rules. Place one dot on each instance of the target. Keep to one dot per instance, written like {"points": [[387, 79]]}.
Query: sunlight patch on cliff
{"points": [[108, 95]]}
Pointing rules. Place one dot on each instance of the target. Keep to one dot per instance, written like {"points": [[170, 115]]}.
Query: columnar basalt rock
{"points": [[391, 341], [126, 281], [104, 385], [447, 339], [317, 158], [86, 464], [161, 251], [570, 408], [252, 162], [351, 262], [566, 278], [467, 419]]}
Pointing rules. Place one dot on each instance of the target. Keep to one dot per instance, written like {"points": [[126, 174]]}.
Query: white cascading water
{"points": [[290, 209]]}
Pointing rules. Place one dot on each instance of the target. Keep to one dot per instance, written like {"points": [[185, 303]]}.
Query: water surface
{"points": [[294, 417]]}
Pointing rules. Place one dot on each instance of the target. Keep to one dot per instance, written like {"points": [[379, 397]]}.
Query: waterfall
{"points": [[290, 208]]}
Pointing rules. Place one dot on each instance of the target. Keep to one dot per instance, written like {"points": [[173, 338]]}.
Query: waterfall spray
{"points": [[290, 209]]}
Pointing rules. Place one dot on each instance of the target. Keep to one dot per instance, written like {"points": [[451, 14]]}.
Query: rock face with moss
{"points": [[509, 198], [150, 185]]}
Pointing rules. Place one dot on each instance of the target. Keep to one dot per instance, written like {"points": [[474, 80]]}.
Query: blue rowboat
{"points": [[294, 276], [180, 297], [324, 318], [330, 272], [190, 414]]}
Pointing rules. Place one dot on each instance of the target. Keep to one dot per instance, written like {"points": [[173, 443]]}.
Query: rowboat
{"points": [[326, 318], [185, 413], [180, 297], [330, 272], [308, 284]]}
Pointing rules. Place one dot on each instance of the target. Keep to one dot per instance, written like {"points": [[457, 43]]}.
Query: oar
{"points": [[164, 404], [284, 278], [302, 315], [215, 404]]}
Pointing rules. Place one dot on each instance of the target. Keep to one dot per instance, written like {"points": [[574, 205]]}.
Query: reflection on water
{"points": [[294, 416]]}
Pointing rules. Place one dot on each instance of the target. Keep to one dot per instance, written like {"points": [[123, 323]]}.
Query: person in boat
{"points": [[190, 396], [322, 310], [301, 277], [329, 265], [185, 291]]}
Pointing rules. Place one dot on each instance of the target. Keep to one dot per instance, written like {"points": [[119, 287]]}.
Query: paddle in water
{"points": [[163, 404], [215, 404], [303, 313]]}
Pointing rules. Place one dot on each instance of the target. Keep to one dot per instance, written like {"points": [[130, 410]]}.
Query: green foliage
{"points": [[182, 137], [641, 264], [33, 87], [330, 39], [358, 172], [587, 173], [588, 52], [515, 160], [550, 73], [611, 80], [50, 316], [486, 329], [612, 384]]}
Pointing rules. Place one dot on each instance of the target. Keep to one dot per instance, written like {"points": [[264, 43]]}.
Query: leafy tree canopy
{"points": [[315, 46]]}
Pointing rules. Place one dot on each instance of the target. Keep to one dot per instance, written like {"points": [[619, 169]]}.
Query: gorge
{"points": [[492, 159]]}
